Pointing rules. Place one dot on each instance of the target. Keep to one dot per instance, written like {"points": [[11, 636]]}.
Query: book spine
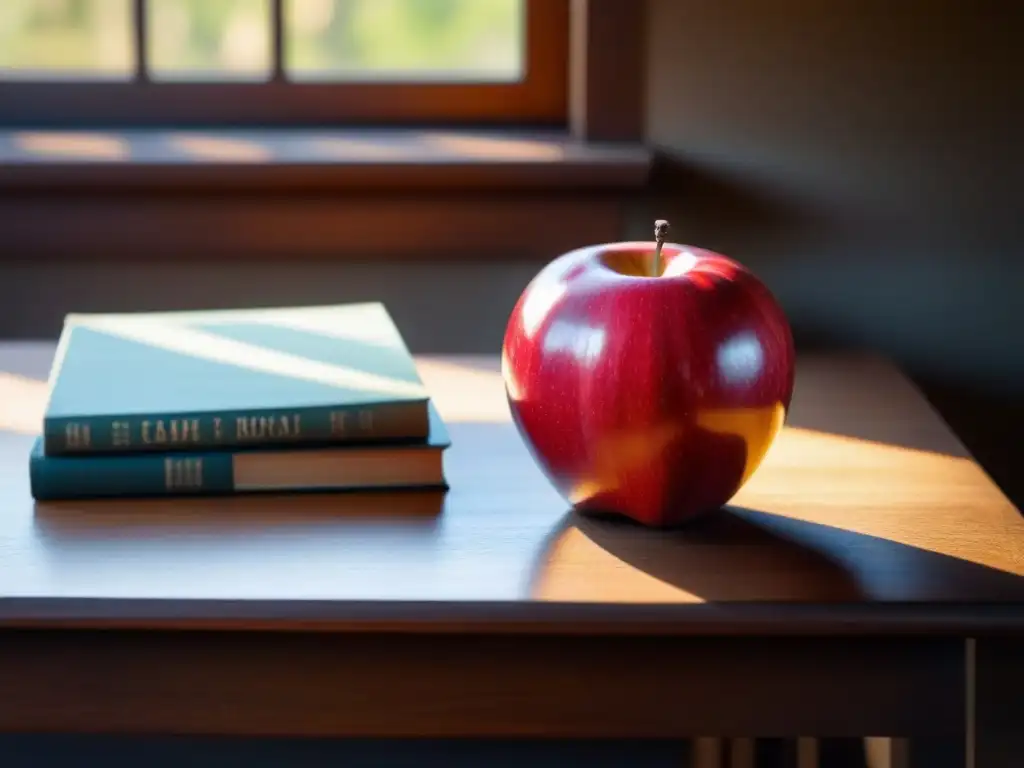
{"points": [[130, 476], [237, 429]]}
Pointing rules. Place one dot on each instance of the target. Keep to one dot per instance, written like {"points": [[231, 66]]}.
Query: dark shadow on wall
{"points": [[990, 427], [720, 209]]}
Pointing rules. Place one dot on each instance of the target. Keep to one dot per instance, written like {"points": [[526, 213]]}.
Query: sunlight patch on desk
{"points": [[810, 476], [568, 575], [83, 146], [22, 402], [843, 451], [821, 521], [465, 394]]}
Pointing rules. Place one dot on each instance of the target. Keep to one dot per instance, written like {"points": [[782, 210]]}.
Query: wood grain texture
{"points": [[407, 685], [214, 161], [867, 516]]}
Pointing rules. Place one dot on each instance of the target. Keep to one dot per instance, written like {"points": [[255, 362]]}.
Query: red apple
{"points": [[648, 381]]}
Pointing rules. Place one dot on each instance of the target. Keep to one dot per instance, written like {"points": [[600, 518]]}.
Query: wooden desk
{"points": [[833, 599]]}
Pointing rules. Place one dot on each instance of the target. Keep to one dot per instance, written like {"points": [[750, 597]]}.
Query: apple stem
{"points": [[660, 231]]}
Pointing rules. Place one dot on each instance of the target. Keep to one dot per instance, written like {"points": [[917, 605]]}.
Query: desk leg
{"points": [[998, 703], [708, 752], [808, 752], [887, 753]]}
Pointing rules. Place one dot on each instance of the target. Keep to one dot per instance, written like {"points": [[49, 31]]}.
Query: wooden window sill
{"points": [[277, 195], [290, 160]]}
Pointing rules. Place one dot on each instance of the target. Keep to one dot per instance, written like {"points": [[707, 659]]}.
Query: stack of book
{"points": [[234, 401]]}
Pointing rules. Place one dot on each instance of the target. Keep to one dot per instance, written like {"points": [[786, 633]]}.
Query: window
{"points": [[283, 62]]}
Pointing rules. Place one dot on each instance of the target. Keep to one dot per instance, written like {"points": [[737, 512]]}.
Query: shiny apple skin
{"points": [[654, 398]]}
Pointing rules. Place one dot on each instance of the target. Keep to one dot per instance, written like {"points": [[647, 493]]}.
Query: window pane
{"points": [[462, 40], [76, 38], [209, 39]]}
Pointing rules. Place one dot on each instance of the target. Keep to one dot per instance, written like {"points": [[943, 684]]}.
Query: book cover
{"points": [[172, 381], [225, 472]]}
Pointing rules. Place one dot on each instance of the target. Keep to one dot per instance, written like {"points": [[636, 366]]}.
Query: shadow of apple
{"points": [[745, 555]]}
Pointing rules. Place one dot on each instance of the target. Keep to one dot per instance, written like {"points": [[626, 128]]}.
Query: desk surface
{"points": [[867, 515]]}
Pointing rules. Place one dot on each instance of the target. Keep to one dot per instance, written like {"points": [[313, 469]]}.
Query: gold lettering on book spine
{"points": [[286, 426], [120, 433], [77, 436], [346, 422], [183, 474], [170, 432]]}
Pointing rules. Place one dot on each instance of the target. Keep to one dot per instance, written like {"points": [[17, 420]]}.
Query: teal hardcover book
{"points": [[222, 472], [179, 381]]}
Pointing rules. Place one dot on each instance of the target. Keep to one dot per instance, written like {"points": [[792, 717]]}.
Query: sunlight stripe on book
{"points": [[208, 346], [324, 321]]}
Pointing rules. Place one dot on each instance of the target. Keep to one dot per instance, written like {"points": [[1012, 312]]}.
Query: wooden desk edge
{"points": [[515, 618], [294, 684]]}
